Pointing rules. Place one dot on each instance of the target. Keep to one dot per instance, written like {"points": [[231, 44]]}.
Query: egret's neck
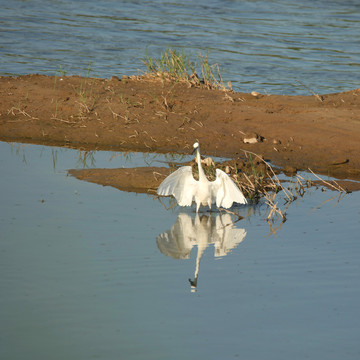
{"points": [[201, 171]]}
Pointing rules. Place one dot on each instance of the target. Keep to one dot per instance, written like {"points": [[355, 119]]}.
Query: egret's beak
{"points": [[193, 152]]}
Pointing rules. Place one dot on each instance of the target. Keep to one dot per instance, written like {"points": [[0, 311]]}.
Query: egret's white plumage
{"points": [[181, 184]]}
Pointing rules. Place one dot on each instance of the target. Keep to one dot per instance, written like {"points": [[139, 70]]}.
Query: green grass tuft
{"points": [[175, 65]]}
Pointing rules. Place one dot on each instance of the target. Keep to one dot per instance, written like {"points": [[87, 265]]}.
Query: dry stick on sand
{"points": [[23, 112], [338, 188]]}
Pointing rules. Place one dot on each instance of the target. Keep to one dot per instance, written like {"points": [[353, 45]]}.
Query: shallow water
{"points": [[92, 272], [260, 45]]}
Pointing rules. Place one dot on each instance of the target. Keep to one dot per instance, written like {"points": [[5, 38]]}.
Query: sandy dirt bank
{"points": [[144, 114]]}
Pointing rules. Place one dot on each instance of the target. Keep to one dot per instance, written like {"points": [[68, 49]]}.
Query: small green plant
{"points": [[176, 66], [210, 73], [171, 63], [61, 70], [87, 99]]}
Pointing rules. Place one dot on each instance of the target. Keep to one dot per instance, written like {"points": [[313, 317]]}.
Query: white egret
{"points": [[185, 189]]}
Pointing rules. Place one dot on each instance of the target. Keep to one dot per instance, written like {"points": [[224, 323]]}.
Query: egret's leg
{"points": [[197, 206]]}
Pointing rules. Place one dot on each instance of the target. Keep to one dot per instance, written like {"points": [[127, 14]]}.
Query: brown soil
{"points": [[141, 180], [146, 114]]}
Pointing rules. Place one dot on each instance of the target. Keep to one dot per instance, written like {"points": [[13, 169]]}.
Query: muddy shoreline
{"points": [[150, 114]]}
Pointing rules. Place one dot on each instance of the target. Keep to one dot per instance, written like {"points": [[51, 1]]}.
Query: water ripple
{"points": [[260, 45]]}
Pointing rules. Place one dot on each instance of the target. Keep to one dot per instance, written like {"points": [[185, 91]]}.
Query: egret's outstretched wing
{"points": [[225, 191], [179, 184]]}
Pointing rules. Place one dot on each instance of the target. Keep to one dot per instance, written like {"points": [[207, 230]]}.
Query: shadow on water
{"points": [[201, 231]]}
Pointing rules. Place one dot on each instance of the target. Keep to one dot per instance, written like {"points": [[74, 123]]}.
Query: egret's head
{"points": [[195, 146]]}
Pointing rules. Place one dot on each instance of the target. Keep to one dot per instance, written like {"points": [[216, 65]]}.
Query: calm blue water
{"points": [[90, 272], [260, 45]]}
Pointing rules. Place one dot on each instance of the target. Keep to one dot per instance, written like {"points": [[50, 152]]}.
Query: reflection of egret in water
{"points": [[201, 231]]}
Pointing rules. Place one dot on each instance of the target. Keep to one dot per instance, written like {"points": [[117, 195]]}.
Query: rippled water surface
{"points": [[260, 45], [92, 272]]}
